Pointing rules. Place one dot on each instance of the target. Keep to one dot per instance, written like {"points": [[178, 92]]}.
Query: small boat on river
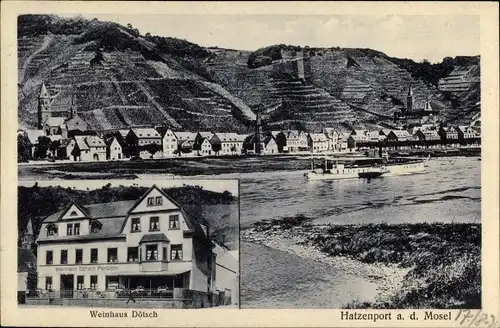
{"points": [[365, 167]]}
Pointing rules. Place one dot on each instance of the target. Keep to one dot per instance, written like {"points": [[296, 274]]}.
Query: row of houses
{"points": [[428, 136], [164, 142]]}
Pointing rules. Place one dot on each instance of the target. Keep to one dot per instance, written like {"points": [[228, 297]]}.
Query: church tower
{"points": [[28, 236], [258, 132], [409, 100], [427, 107], [43, 106]]}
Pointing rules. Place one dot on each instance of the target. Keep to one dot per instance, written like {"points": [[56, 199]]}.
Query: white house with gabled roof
{"points": [[150, 245]]}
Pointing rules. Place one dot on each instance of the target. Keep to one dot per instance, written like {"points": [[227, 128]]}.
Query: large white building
{"points": [[149, 244]]}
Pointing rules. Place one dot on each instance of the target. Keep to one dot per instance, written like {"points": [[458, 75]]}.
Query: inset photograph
{"points": [[142, 244]]}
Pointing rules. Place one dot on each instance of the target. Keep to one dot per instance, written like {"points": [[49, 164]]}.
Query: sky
{"points": [[417, 37]]}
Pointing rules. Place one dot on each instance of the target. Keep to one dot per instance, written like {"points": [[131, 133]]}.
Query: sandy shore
{"points": [[388, 278]]}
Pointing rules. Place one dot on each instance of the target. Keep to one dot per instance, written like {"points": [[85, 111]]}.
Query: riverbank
{"points": [[414, 265], [172, 167]]}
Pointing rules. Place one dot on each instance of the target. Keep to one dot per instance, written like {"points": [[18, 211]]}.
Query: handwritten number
{"points": [[475, 317], [493, 321], [468, 315]]}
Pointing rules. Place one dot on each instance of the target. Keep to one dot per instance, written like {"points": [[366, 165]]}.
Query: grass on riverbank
{"points": [[444, 259]]}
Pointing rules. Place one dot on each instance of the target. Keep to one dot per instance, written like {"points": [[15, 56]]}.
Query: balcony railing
{"points": [[119, 293]]}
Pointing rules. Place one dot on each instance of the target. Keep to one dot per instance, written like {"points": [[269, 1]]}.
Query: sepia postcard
{"points": [[250, 164]]}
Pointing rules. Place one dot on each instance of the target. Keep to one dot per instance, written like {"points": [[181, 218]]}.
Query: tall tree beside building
{"points": [[23, 148]]}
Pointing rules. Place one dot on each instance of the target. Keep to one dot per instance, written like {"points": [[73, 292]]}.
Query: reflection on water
{"points": [[449, 192]]}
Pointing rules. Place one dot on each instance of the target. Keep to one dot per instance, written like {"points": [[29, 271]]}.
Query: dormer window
{"points": [[95, 226], [69, 229], [51, 230], [77, 229]]}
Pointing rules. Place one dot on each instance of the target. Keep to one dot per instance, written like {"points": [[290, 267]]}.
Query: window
{"points": [[93, 282], [158, 200], [112, 254], [112, 282], [51, 230], [77, 229], [48, 257], [78, 256], [151, 201], [136, 225], [154, 223], [64, 256], [133, 254], [93, 255], [173, 222], [165, 254], [79, 282], [151, 252], [95, 226], [73, 213], [48, 283], [176, 252], [69, 229]]}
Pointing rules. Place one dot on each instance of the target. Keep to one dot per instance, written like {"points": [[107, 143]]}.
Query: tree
{"points": [[54, 145], [23, 148], [152, 148], [32, 282], [43, 146]]}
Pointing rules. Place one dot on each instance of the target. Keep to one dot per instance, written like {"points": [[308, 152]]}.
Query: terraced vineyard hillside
{"points": [[346, 86], [114, 78], [112, 88]]}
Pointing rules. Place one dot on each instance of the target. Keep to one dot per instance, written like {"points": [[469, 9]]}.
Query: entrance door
{"points": [[67, 285], [96, 157]]}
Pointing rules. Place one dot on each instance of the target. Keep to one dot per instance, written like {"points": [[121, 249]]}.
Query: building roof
{"points": [[185, 136], [97, 211], [80, 142], [206, 134], [95, 141], [146, 133], [401, 133], [318, 136], [65, 142], [26, 260], [112, 217], [153, 237], [34, 134], [54, 121], [76, 123], [123, 132], [228, 137], [85, 142]]}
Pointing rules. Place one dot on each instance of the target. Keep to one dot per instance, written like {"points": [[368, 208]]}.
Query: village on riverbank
{"points": [[66, 137]]}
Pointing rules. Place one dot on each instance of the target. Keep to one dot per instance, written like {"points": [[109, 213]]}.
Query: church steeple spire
{"points": [[409, 100], [43, 106], [410, 91], [43, 92], [28, 236]]}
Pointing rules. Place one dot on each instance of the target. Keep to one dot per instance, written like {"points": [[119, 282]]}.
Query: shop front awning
{"points": [[154, 237]]}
